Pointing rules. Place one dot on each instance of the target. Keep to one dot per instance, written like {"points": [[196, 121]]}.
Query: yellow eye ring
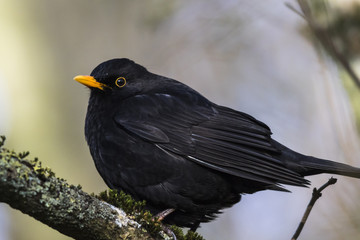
{"points": [[120, 82]]}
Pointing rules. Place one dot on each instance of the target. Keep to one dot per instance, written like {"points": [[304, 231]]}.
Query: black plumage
{"points": [[159, 140]]}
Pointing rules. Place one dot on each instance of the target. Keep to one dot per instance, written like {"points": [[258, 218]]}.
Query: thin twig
{"points": [[315, 196], [322, 35], [291, 7]]}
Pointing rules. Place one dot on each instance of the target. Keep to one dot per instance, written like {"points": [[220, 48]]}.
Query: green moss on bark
{"points": [[135, 209]]}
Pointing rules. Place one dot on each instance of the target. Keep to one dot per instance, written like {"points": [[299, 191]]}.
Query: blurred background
{"points": [[252, 55]]}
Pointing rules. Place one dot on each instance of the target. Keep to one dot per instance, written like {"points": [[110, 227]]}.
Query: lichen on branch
{"points": [[34, 190]]}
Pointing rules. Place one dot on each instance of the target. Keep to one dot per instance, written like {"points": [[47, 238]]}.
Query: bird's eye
{"points": [[120, 82]]}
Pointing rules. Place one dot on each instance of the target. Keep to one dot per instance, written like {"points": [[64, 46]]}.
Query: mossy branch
{"points": [[34, 190], [27, 186]]}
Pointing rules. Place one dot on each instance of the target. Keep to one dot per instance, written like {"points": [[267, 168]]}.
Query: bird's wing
{"points": [[216, 137]]}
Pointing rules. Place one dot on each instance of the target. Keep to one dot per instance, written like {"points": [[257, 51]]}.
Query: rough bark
{"points": [[35, 191]]}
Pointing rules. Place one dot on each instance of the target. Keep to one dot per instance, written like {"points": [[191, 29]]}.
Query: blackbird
{"points": [[161, 141]]}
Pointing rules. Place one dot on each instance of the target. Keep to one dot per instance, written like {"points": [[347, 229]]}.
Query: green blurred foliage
{"points": [[342, 24]]}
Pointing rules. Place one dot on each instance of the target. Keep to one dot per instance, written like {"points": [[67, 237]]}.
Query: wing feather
{"points": [[216, 137]]}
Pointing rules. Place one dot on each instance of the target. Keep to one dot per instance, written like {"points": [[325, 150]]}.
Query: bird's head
{"points": [[121, 77]]}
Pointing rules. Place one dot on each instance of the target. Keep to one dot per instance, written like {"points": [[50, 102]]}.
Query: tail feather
{"points": [[312, 165], [308, 165]]}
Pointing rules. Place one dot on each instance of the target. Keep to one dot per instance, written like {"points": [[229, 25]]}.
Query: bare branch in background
{"points": [[325, 40], [315, 196]]}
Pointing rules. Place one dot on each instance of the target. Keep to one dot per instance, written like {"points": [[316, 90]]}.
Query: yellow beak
{"points": [[89, 81]]}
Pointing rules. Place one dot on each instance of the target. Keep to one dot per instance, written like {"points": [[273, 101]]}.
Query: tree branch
{"points": [[315, 196], [35, 191]]}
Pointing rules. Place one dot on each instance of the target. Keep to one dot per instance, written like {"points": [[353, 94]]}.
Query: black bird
{"points": [[159, 140]]}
